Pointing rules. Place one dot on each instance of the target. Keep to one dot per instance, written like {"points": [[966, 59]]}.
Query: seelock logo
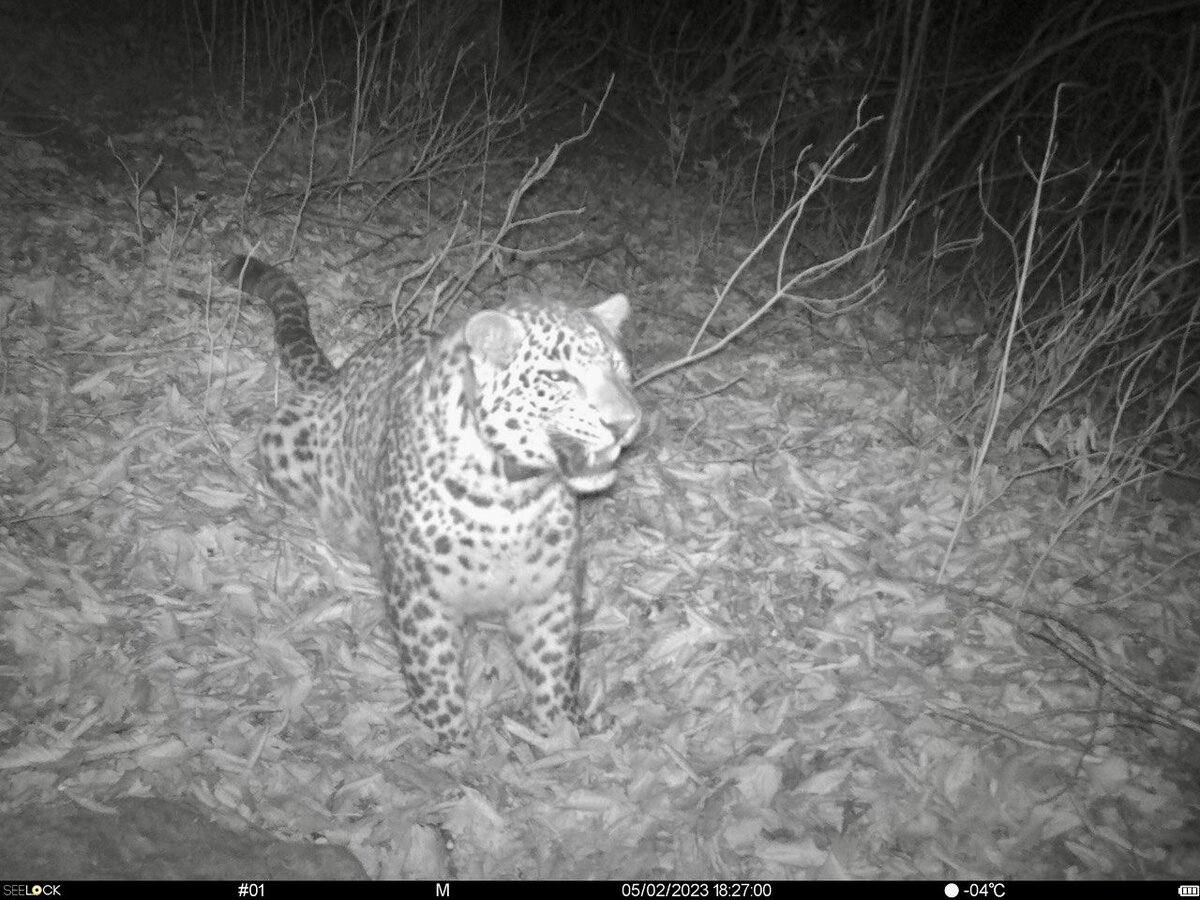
{"points": [[31, 890]]}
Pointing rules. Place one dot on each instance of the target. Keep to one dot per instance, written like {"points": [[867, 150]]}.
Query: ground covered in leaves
{"points": [[782, 686]]}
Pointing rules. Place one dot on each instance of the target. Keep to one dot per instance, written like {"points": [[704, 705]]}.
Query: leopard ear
{"points": [[612, 312], [494, 336]]}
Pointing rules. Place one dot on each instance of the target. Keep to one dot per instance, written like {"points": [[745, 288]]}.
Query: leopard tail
{"points": [[299, 352]]}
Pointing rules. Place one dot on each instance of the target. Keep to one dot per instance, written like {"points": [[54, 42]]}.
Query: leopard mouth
{"points": [[578, 466], [586, 470], [591, 482]]}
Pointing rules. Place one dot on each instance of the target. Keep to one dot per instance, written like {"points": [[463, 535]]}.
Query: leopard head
{"points": [[552, 389]]}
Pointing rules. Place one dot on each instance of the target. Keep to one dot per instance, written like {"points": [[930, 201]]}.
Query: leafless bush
{"points": [[1098, 366], [386, 93], [789, 284]]}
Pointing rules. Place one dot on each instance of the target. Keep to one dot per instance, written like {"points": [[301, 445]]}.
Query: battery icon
{"points": [[1189, 890]]}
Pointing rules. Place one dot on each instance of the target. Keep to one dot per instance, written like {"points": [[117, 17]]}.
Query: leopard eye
{"points": [[557, 375]]}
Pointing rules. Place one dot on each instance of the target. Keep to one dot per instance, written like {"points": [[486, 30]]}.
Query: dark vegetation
{"points": [[1032, 165]]}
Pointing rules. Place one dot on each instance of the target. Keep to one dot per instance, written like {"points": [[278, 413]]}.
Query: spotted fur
{"points": [[454, 468]]}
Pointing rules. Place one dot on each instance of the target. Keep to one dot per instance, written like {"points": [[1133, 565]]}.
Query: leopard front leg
{"points": [[430, 646], [545, 638]]}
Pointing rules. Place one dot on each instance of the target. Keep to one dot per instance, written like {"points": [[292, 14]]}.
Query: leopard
{"points": [[454, 467]]}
